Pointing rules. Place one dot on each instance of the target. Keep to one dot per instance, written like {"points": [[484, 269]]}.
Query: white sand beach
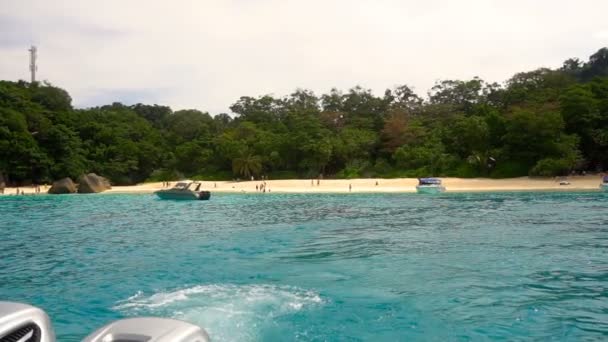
{"points": [[368, 185]]}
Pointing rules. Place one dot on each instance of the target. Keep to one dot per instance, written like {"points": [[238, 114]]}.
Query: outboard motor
{"points": [[24, 323], [148, 329]]}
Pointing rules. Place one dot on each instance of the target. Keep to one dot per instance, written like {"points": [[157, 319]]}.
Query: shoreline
{"points": [[365, 185]]}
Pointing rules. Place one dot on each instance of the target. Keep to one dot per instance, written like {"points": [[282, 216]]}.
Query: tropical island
{"points": [[540, 123]]}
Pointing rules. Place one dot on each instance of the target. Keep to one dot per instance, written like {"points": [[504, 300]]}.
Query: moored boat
{"points": [[184, 190], [429, 186], [604, 184]]}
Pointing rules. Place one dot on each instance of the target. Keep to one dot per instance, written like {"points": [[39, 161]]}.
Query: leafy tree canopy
{"points": [[542, 122]]}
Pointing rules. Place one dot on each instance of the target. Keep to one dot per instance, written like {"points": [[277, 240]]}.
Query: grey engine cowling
{"points": [[148, 329], [25, 323]]}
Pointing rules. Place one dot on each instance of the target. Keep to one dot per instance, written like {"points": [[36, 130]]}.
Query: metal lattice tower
{"points": [[33, 67]]}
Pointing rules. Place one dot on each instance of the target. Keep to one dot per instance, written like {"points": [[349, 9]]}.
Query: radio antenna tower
{"points": [[33, 67]]}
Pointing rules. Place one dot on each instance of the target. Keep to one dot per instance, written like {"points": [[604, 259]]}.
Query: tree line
{"points": [[544, 122]]}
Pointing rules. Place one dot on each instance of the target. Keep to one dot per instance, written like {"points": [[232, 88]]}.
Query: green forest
{"points": [[543, 122]]}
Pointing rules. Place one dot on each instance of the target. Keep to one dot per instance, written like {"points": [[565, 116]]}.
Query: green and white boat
{"points": [[184, 190], [604, 184], [429, 186]]}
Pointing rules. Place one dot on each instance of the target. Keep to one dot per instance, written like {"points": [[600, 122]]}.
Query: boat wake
{"points": [[228, 312]]}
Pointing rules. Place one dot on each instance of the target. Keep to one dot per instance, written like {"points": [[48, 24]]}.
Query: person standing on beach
{"points": [[350, 187]]}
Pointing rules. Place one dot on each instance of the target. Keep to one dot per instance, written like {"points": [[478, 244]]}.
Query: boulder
{"points": [[63, 186], [92, 183]]}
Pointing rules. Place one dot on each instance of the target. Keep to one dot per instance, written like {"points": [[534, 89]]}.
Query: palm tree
{"points": [[247, 166]]}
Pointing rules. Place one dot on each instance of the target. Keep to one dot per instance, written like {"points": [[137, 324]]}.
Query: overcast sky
{"points": [[205, 54]]}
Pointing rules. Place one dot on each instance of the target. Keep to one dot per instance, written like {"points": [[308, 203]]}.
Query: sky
{"points": [[205, 54]]}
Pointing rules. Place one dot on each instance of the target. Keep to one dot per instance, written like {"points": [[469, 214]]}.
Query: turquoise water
{"points": [[408, 267]]}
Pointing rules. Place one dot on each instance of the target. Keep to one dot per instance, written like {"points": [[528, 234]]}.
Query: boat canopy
{"points": [[605, 179], [182, 185], [429, 181]]}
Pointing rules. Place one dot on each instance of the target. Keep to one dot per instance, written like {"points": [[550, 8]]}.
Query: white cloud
{"points": [[601, 35], [205, 54]]}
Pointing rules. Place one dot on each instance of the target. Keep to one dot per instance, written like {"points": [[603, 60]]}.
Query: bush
{"points": [[382, 167], [213, 176], [432, 161], [509, 169], [353, 169], [550, 167], [284, 175], [164, 175], [464, 170]]}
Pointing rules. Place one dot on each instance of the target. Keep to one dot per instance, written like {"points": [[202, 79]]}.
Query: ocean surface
{"points": [[349, 267]]}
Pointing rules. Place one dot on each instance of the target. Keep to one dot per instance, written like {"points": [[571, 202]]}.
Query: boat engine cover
{"points": [[24, 323], [148, 329]]}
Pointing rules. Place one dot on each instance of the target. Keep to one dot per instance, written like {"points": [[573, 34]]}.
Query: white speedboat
{"points": [[184, 190], [429, 186], [604, 184]]}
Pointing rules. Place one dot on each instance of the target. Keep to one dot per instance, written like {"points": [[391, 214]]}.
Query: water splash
{"points": [[228, 312]]}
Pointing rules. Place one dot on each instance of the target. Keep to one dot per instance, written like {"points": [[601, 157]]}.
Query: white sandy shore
{"points": [[368, 185]]}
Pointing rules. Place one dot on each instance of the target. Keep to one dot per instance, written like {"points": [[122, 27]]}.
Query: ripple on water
{"points": [[492, 266]]}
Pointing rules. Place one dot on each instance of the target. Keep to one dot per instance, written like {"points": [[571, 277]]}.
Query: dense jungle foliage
{"points": [[541, 123]]}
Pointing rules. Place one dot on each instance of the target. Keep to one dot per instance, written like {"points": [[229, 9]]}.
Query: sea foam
{"points": [[228, 312]]}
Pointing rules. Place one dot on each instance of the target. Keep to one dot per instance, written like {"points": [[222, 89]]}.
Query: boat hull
{"points": [[430, 189], [183, 195], [604, 187]]}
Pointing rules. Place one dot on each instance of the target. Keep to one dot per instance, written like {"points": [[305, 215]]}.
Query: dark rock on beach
{"points": [[63, 186], [92, 183]]}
